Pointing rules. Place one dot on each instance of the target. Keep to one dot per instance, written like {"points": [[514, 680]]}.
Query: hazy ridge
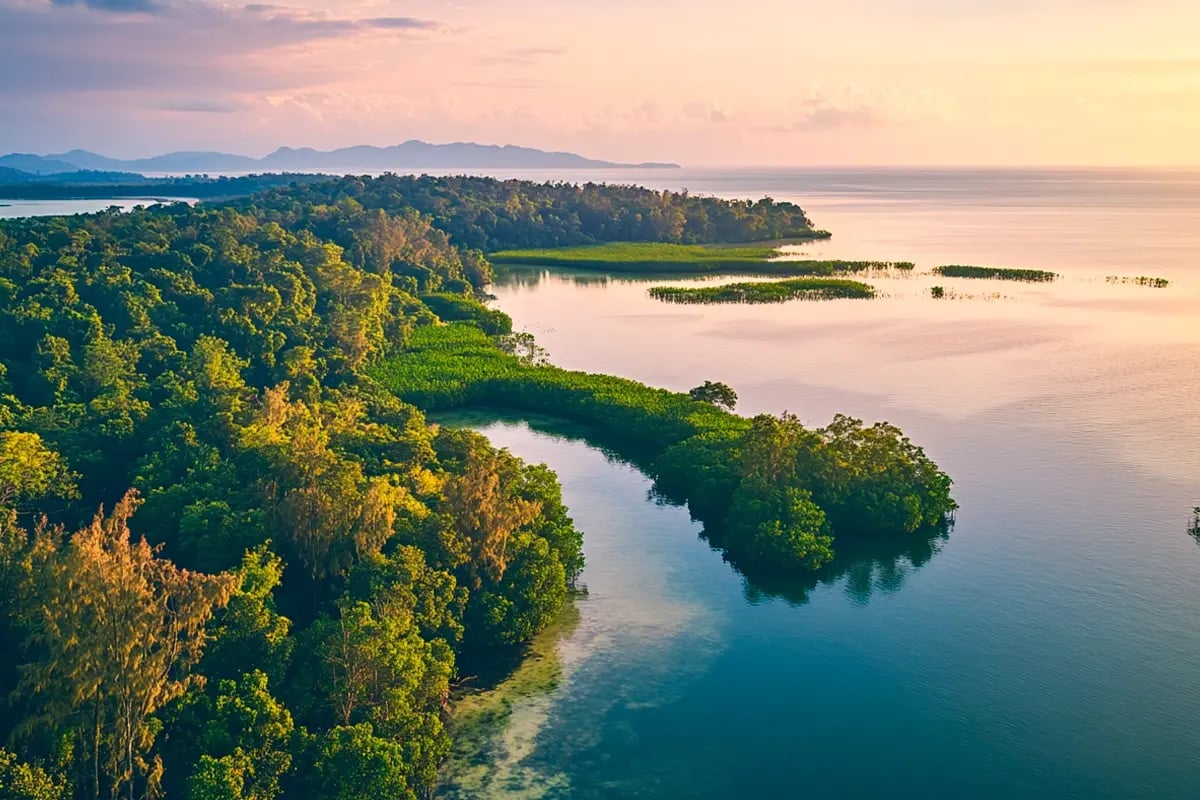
{"points": [[409, 155]]}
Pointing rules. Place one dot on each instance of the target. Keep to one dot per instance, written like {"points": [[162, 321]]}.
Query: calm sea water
{"points": [[1049, 648], [49, 208]]}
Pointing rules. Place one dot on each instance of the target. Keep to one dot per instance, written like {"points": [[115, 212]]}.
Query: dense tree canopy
{"points": [[488, 214], [315, 555]]}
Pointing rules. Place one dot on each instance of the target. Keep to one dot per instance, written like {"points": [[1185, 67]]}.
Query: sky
{"points": [[700, 82]]}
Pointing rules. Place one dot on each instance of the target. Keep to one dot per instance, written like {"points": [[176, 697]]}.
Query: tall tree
{"points": [[486, 508], [116, 631]]}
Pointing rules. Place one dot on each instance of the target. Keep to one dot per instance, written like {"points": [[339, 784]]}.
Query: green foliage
{"points": [[239, 737], [30, 470], [781, 527], [511, 540], [999, 273], [1140, 280], [22, 781], [352, 763], [659, 257], [525, 348], [490, 215], [719, 394], [460, 308], [216, 359], [249, 630], [771, 292], [865, 481], [937, 292], [219, 778], [637, 255]]}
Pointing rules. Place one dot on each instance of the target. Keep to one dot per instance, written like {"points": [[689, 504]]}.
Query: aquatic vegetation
{"points": [[1140, 280], [773, 292], [1194, 526], [937, 292], [684, 258], [1000, 273], [784, 495], [464, 308], [620, 256]]}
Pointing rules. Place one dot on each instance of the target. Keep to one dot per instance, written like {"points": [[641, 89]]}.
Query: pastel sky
{"points": [[701, 82]]}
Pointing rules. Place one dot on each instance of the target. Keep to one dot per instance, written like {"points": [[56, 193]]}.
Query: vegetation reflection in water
{"points": [[785, 494], [502, 715]]}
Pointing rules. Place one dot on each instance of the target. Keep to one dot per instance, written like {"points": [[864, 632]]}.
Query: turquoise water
{"points": [[1049, 647]]}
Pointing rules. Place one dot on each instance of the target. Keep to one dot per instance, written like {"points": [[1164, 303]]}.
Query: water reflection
{"points": [[529, 277], [867, 565], [877, 565]]}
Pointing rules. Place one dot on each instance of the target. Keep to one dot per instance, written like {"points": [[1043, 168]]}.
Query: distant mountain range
{"points": [[411, 155]]}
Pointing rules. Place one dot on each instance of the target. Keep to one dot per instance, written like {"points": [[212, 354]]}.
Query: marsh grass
{"points": [[770, 292], [685, 258], [998, 273], [1140, 280]]}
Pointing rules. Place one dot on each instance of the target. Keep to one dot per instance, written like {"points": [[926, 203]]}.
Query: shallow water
{"points": [[1049, 649]]}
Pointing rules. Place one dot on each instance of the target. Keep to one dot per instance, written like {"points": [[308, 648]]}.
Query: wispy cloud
{"points": [[522, 56], [114, 6], [820, 110], [201, 106], [707, 112], [401, 24], [71, 47]]}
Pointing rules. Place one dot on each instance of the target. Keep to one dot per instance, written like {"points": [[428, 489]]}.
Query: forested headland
{"points": [[237, 562]]}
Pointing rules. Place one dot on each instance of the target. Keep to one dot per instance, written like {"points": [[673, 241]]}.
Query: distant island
{"points": [[411, 155]]}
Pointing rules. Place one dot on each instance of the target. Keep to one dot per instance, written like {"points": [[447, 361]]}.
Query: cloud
{"points": [[819, 110], [74, 47], [707, 112], [523, 56], [401, 23], [114, 6], [201, 106]]}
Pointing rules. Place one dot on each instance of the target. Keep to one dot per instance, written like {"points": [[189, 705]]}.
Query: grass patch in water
{"points": [[771, 292], [1140, 280], [684, 258], [998, 273]]}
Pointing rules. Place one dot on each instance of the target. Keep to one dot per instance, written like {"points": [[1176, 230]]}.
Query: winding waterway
{"points": [[1050, 647]]}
